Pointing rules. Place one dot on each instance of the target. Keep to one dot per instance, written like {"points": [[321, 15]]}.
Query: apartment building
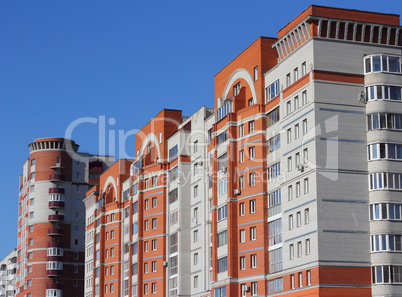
{"points": [[51, 223], [8, 274], [289, 186]]}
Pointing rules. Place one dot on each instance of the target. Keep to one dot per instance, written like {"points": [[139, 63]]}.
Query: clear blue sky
{"points": [[64, 60]]}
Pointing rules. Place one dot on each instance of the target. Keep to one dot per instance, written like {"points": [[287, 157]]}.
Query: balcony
{"points": [[56, 191], [57, 178], [56, 218], [54, 287], [56, 204], [57, 166], [54, 268], [54, 290], [55, 232], [54, 273], [55, 258], [55, 244]]}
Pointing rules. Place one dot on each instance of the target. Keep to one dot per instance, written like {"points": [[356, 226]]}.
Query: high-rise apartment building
{"points": [[51, 223], [290, 186], [8, 274]]}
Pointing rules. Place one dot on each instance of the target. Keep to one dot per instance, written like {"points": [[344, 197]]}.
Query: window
{"points": [[290, 222], [275, 285], [288, 107], [174, 173], [300, 280], [298, 219], [305, 156], [242, 209], [290, 164], [154, 202], [384, 121], [304, 97], [306, 216], [253, 233], [112, 234], [241, 130], [253, 260], [384, 92], [145, 289], [209, 135], [242, 235], [160, 137], [241, 156], [195, 236], [305, 185], [252, 179], [195, 213], [304, 126], [195, 259], [254, 291], [307, 246], [154, 181], [236, 89], [112, 270], [154, 265], [273, 117], [250, 101], [112, 252], [146, 225], [30, 241], [78, 175], [272, 91], [222, 264], [146, 247], [291, 252], [290, 193], [174, 217], [222, 238], [241, 182], [33, 162], [299, 249], [275, 232], [251, 127], [383, 63], [33, 175], [253, 206], [298, 191], [222, 187], [304, 69], [308, 277], [255, 73], [288, 81], [222, 137], [274, 203], [173, 196], [195, 147], [296, 74], [273, 144], [242, 263], [153, 288], [31, 214], [297, 133], [274, 170], [222, 213], [195, 190], [173, 153], [289, 135], [154, 223]]}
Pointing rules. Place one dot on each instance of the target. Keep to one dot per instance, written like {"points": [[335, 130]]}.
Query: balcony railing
{"points": [[55, 244], [56, 218], [57, 178], [55, 232], [56, 190], [56, 204]]}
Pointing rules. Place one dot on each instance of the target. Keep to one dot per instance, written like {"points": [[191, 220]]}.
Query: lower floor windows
{"points": [[386, 274]]}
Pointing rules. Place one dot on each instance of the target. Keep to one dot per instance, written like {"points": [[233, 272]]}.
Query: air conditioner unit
{"points": [[362, 97], [199, 163], [237, 192], [115, 199], [246, 289], [224, 169], [194, 220], [300, 167], [165, 264], [178, 180]]}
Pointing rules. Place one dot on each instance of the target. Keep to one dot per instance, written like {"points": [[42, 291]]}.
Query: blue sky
{"points": [[125, 60]]}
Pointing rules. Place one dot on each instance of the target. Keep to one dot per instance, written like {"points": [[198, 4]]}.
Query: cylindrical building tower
{"points": [[52, 218]]}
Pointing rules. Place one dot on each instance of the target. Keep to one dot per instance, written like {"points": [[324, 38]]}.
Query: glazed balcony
{"points": [[54, 268], [56, 204], [57, 178], [54, 292], [55, 232], [56, 190], [55, 258], [56, 218]]}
